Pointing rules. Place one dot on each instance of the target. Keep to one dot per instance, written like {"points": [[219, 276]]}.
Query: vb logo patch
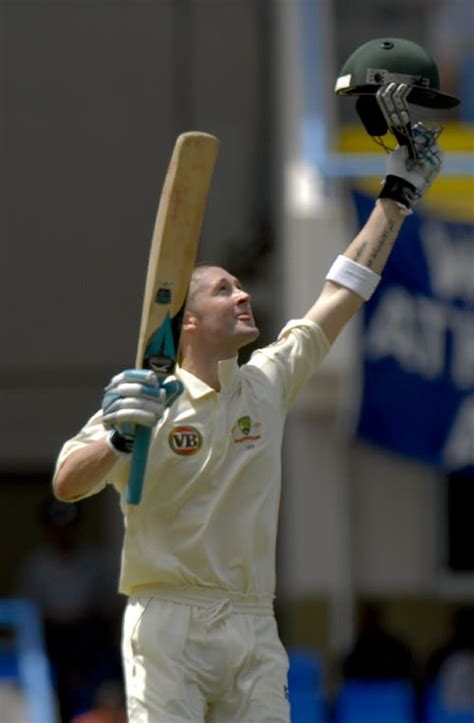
{"points": [[246, 430], [185, 440]]}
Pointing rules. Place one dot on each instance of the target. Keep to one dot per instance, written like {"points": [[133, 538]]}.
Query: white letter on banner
{"points": [[459, 449], [411, 329], [450, 259], [462, 327]]}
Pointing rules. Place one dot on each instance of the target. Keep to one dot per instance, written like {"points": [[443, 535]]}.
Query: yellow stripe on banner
{"points": [[452, 197]]}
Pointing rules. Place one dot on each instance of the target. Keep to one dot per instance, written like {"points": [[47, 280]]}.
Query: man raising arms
{"points": [[200, 642]]}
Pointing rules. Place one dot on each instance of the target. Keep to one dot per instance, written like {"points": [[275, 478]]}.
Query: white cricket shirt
{"points": [[208, 516]]}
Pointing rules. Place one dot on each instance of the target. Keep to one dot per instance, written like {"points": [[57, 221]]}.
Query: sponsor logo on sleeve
{"points": [[246, 430], [185, 440]]}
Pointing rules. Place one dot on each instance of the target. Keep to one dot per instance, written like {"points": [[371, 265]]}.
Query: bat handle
{"points": [[136, 475]]}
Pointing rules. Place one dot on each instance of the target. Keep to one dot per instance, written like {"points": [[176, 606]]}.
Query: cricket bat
{"points": [[172, 257]]}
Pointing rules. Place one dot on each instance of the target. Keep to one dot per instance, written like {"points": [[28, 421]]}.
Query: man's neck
{"points": [[205, 366]]}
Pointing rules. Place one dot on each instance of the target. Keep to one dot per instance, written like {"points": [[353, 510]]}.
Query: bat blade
{"points": [[172, 256]]}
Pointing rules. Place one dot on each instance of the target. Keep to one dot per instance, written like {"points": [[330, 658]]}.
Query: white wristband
{"points": [[354, 276]]}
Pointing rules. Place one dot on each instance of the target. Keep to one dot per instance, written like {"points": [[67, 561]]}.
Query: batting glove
{"points": [[135, 397], [407, 180]]}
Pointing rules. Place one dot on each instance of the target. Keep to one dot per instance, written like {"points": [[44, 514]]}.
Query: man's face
{"points": [[221, 310]]}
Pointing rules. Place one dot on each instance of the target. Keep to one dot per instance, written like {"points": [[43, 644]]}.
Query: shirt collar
{"points": [[228, 371], [229, 376]]}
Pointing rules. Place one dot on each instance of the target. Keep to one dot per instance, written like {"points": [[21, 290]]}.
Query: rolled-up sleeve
{"points": [[93, 431]]}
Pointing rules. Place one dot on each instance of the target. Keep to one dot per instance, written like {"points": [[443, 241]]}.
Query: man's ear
{"points": [[189, 321]]}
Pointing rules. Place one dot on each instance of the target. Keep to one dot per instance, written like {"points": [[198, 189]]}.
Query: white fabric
{"points": [[208, 516], [177, 656], [359, 279]]}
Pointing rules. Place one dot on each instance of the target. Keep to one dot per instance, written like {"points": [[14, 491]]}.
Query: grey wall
{"points": [[93, 94]]}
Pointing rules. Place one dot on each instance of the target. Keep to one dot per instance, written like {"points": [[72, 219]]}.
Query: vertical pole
{"points": [[316, 558]]}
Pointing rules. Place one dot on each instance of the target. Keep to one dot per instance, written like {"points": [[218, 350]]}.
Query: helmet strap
{"points": [[371, 116]]}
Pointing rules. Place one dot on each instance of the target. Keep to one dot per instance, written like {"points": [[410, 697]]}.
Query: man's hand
{"points": [[136, 396], [407, 180]]}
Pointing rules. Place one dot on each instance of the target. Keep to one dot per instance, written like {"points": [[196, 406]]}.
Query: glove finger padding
{"points": [[140, 376], [135, 411], [136, 397], [137, 391], [144, 383]]}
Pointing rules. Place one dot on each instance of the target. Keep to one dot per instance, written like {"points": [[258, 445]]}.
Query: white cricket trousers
{"points": [[211, 662]]}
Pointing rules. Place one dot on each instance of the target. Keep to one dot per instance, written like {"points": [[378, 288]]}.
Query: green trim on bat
{"points": [[161, 356], [161, 352]]}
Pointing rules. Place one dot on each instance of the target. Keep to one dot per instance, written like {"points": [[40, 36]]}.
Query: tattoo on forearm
{"points": [[383, 238], [360, 250], [380, 244]]}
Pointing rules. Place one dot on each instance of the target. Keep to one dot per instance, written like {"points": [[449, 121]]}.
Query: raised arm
{"points": [[355, 275], [371, 248]]}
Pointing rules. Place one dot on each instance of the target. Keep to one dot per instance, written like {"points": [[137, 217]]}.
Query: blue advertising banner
{"points": [[418, 345]]}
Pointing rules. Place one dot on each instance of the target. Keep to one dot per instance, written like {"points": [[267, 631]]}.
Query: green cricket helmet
{"points": [[386, 60]]}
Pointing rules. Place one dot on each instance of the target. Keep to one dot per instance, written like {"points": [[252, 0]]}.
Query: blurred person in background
{"points": [[377, 654], [67, 579]]}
